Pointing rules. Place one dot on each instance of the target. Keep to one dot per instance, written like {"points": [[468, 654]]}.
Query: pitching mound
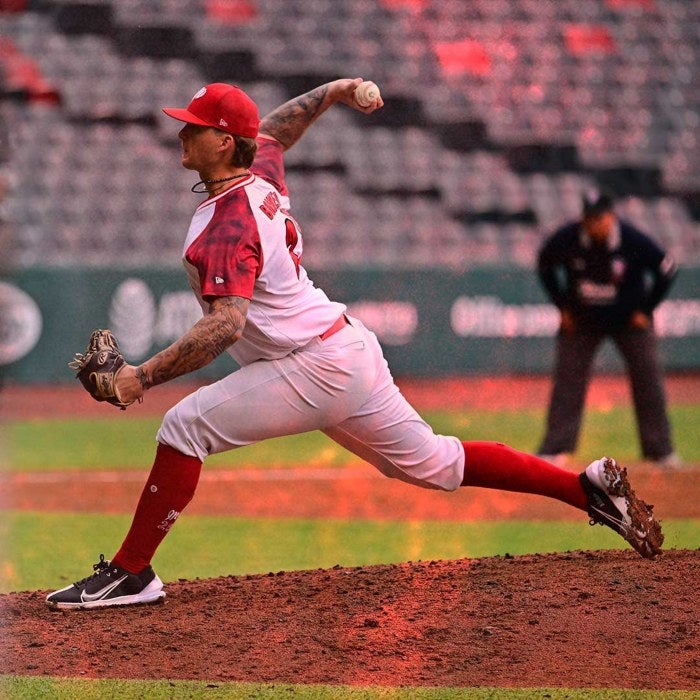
{"points": [[582, 619]]}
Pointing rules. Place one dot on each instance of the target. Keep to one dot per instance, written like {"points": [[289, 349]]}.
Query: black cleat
{"points": [[109, 585]]}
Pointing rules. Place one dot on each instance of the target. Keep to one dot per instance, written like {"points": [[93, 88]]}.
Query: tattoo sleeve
{"points": [[289, 121], [206, 340]]}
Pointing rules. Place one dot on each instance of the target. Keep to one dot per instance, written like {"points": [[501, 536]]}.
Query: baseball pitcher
{"points": [[305, 363]]}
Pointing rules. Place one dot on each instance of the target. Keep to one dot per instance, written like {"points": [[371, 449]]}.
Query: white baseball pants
{"points": [[342, 386]]}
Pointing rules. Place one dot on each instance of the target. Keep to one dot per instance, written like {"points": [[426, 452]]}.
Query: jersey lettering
{"points": [[294, 245], [270, 205]]}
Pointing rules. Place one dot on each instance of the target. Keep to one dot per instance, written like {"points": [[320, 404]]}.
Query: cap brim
{"points": [[184, 115]]}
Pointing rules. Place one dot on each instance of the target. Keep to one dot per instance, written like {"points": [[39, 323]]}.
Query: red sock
{"points": [[493, 465], [170, 487]]}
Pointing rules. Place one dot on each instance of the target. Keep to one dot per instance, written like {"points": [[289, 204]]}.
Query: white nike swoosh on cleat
{"points": [[89, 597], [610, 518]]}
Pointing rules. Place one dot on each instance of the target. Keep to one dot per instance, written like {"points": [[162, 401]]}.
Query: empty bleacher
{"points": [[498, 115]]}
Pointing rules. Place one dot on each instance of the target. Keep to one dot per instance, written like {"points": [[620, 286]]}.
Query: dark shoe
{"points": [[109, 585], [612, 502]]}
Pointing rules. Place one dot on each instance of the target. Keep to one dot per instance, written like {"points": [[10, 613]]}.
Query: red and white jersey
{"points": [[245, 243]]}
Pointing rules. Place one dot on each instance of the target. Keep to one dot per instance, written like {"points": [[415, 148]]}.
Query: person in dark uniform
{"points": [[606, 278]]}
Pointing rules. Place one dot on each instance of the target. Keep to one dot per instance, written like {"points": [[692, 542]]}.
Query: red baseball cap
{"points": [[221, 106]]}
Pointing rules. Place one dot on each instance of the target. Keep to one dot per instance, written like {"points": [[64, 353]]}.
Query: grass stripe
{"points": [[16, 688], [124, 442], [49, 550]]}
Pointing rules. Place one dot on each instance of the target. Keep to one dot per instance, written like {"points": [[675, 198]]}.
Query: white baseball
{"points": [[366, 93]]}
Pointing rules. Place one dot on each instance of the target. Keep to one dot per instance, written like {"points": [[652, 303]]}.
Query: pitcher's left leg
{"points": [[300, 392]]}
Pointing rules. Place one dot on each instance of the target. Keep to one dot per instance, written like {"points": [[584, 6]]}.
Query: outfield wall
{"points": [[430, 322]]}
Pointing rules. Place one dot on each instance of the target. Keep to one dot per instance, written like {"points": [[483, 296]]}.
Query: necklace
{"points": [[216, 182]]}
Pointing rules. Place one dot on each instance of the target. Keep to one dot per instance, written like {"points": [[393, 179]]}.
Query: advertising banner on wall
{"points": [[430, 322]]}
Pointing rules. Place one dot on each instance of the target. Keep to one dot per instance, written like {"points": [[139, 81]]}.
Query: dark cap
{"points": [[596, 202]]}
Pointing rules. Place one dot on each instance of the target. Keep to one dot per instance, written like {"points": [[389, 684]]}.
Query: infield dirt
{"points": [[593, 619]]}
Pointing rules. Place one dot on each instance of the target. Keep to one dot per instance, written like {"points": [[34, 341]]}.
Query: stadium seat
{"points": [[522, 105]]}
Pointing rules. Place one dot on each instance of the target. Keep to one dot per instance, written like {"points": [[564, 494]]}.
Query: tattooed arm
{"points": [[207, 339], [289, 121]]}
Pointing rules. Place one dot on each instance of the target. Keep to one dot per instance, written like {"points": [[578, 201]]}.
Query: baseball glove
{"points": [[98, 367]]}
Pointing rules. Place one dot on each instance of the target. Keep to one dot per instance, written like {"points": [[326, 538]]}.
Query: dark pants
{"points": [[575, 354]]}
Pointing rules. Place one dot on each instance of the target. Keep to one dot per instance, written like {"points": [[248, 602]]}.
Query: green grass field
{"points": [[45, 550], [68, 689], [33, 559], [124, 442]]}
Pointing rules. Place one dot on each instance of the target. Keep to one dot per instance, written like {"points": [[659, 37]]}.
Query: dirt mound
{"points": [[588, 619]]}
